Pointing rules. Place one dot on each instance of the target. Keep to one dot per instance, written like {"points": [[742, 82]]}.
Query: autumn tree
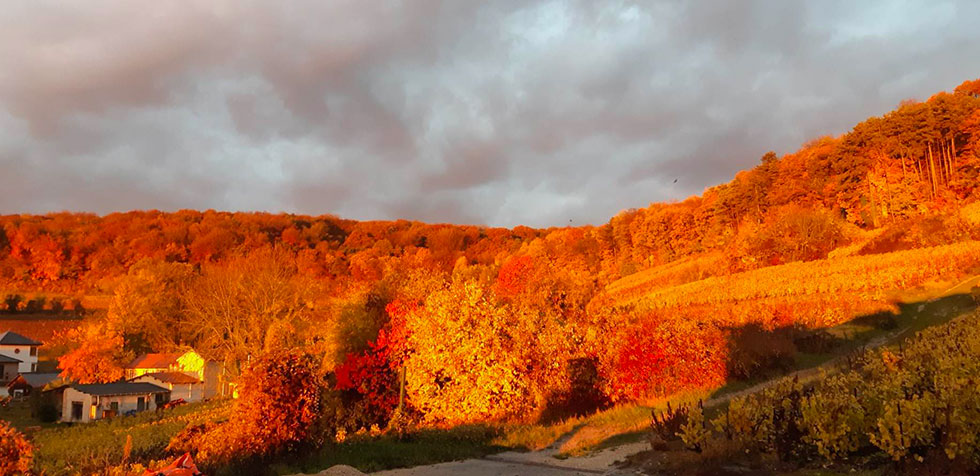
{"points": [[793, 234], [97, 354], [148, 307], [254, 304], [278, 409], [471, 359]]}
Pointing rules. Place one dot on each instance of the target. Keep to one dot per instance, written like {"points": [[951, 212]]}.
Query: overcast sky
{"points": [[498, 113]]}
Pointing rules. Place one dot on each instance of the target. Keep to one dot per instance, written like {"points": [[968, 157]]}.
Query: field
{"points": [[90, 448], [39, 328]]}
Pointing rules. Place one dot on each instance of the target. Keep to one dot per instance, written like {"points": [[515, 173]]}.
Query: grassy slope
{"points": [[918, 309]]}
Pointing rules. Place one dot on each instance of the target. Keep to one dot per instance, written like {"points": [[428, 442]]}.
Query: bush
{"points": [[661, 356], [16, 453], [666, 426], [47, 413], [278, 410]]}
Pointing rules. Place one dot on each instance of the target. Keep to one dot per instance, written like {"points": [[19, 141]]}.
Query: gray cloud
{"points": [[497, 113]]}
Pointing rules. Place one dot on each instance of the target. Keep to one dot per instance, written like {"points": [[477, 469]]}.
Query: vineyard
{"points": [[912, 404], [870, 275], [89, 449], [671, 274], [810, 311], [43, 330]]}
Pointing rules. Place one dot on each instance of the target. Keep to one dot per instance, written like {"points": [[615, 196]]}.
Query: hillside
{"points": [[397, 327]]}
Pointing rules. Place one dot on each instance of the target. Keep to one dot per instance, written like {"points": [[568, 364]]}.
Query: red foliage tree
{"points": [[515, 275], [659, 357]]}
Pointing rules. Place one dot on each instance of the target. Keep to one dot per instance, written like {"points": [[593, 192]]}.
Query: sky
{"points": [[540, 113]]}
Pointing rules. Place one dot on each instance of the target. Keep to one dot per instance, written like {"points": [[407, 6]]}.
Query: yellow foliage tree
{"points": [[473, 359]]}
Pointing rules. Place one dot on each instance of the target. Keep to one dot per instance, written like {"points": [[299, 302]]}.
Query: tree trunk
{"points": [[952, 155], [949, 164], [932, 171], [874, 206]]}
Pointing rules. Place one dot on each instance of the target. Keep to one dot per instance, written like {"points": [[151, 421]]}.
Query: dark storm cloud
{"points": [[498, 112]]}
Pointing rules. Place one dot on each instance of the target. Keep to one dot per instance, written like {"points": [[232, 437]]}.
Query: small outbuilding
{"points": [[85, 403], [28, 383]]}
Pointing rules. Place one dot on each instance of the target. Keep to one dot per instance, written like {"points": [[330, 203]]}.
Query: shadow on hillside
{"points": [[758, 355]]}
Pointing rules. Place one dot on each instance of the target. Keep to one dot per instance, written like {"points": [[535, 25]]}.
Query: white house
{"points": [[181, 384], [8, 369], [86, 403], [24, 349]]}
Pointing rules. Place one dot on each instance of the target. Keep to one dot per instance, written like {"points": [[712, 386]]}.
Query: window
{"points": [[140, 404], [76, 410], [33, 351], [33, 367]]}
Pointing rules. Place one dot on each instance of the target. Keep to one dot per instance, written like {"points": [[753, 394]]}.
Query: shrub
{"points": [[659, 357], [16, 453], [694, 433], [910, 404], [278, 410], [47, 413], [667, 425]]}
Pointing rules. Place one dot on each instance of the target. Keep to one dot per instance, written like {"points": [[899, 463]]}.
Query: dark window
{"points": [[76, 410], [33, 351], [140, 404]]}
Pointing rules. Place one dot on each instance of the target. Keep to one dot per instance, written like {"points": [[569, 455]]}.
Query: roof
{"points": [[6, 359], [119, 388], [154, 361], [170, 377], [39, 379], [13, 338]]}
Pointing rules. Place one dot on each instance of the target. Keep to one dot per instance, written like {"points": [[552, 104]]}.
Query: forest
{"points": [[341, 326]]}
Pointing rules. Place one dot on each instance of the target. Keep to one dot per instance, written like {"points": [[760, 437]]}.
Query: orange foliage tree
{"points": [[278, 409], [97, 356]]}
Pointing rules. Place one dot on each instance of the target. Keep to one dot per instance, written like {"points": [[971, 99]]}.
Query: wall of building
{"points": [[28, 362], [71, 396], [212, 379], [190, 392], [93, 406], [192, 363]]}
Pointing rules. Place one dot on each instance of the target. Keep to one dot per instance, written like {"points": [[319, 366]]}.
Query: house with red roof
{"points": [[181, 384], [186, 374]]}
